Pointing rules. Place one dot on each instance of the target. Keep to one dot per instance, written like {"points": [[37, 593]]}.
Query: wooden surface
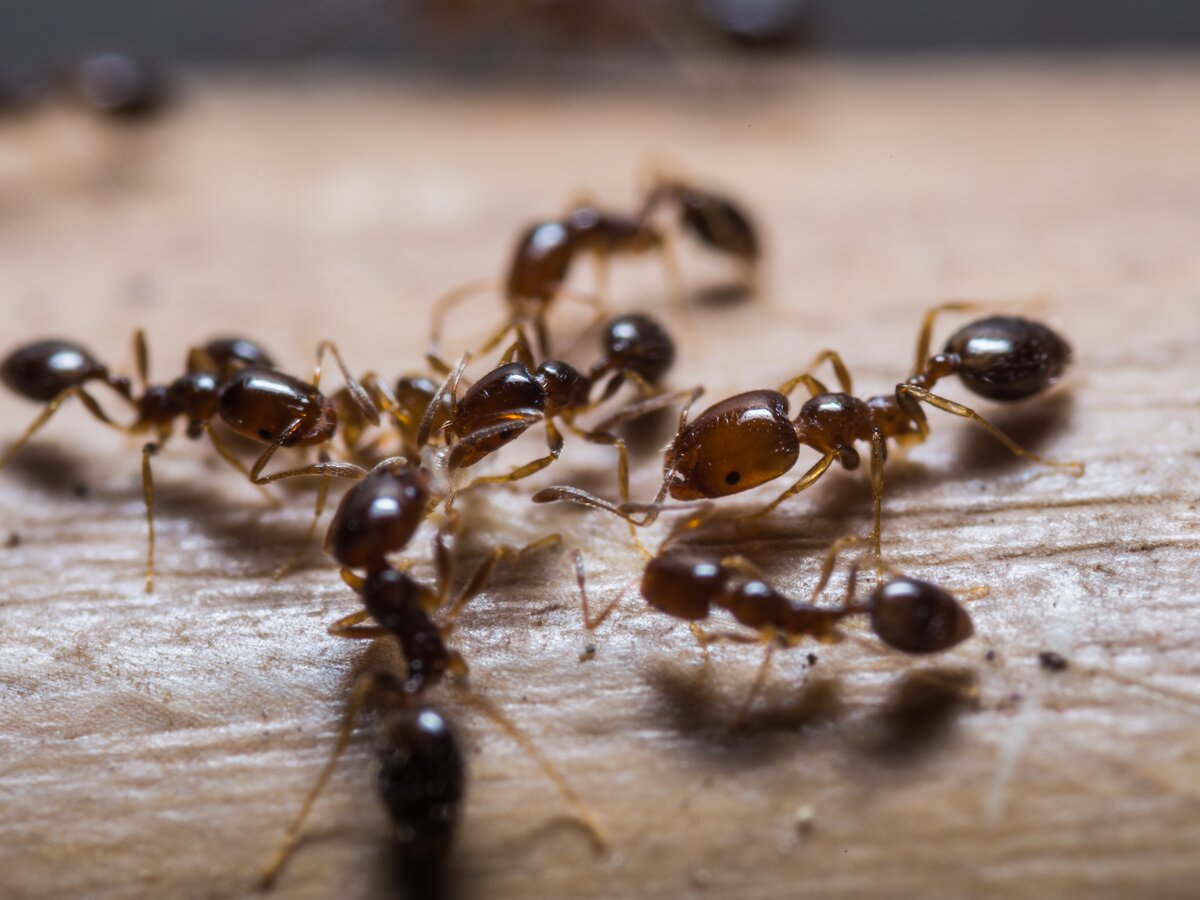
{"points": [[157, 745]]}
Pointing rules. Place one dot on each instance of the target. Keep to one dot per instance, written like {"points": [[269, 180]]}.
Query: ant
{"points": [[230, 379], [541, 262], [907, 614], [509, 399], [747, 440], [422, 768], [545, 251], [714, 219]]}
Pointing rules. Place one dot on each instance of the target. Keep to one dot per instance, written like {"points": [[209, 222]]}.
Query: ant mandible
{"points": [[422, 768], [907, 614], [747, 440], [228, 378]]}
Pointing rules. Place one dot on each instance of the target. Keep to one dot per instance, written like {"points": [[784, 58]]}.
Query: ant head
{"points": [[917, 617], [734, 445], [1008, 358], [379, 515], [565, 386]]}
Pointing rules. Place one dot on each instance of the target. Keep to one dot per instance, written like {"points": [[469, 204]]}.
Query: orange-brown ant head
{"points": [[733, 446]]}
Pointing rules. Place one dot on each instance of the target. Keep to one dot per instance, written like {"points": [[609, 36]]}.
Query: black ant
{"points": [[229, 378], [421, 763], [907, 614], [512, 397], [748, 439]]}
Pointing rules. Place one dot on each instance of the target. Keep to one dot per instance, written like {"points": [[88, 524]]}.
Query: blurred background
{"points": [[481, 36]]}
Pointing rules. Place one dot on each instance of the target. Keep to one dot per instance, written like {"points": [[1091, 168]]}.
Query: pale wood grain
{"points": [[157, 745]]}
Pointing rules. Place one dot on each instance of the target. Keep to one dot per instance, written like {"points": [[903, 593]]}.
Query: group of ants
{"points": [[406, 447]]}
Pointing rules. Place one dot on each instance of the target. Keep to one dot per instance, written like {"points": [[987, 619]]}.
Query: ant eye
{"points": [[264, 434], [733, 478]]}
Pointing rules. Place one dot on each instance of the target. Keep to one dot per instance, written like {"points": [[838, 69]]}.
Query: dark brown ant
{"points": [[118, 86], [541, 262], [511, 398], [422, 767], [748, 439], [227, 378], [907, 614], [715, 220]]}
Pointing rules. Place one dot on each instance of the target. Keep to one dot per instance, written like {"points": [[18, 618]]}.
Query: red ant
{"points": [[229, 378], [748, 439], [422, 768], [511, 398], [907, 614]]}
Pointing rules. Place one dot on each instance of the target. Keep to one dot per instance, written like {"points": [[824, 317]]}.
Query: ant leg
{"points": [[760, 678], [338, 469], [50, 409], [361, 399], [611, 440], [925, 335], [148, 497], [673, 276], [831, 556], [878, 456], [448, 301], [291, 837], [519, 351], [587, 816], [588, 622], [554, 440], [322, 496], [141, 357], [230, 457], [806, 480], [650, 511], [908, 394], [483, 572], [839, 368], [350, 627], [353, 581], [601, 268], [813, 385], [448, 389]]}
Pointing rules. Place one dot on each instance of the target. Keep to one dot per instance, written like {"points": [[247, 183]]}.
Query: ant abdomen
{"points": [[733, 446], [1007, 357], [422, 775], [44, 369], [637, 343], [917, 617], [720, 223], [541, 262], [230, 354], [683, 585]]}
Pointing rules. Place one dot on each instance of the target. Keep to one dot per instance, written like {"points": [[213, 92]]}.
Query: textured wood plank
{"points": [[158, 744]]}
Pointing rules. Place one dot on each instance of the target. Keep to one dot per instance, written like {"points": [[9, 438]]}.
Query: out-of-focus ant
{"points": [[422, 771], [748, 439], [905, 613]]}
